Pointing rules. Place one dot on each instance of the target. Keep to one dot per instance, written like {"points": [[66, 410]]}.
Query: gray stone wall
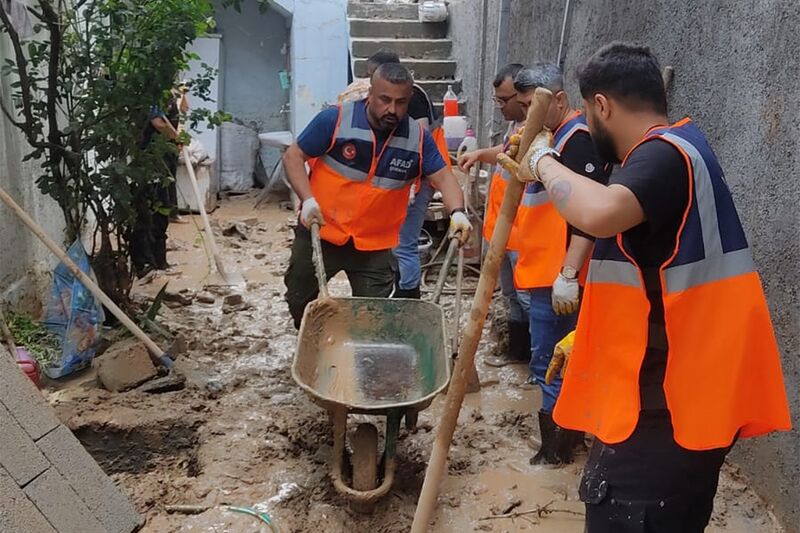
{"points": [[736, 75]]}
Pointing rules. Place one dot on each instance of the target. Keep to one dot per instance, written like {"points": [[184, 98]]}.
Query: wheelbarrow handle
{"points": [[448, 260], [319, 262]]}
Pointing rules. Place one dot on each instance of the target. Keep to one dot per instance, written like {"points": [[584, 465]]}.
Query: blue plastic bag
{"points": [[74, 315]]}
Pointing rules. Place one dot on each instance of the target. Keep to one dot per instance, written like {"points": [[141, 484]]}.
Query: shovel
{"points": [[158, 355], [230, 278], [437, 466]]}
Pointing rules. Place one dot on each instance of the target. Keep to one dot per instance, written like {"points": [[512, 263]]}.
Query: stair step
{"points": [[371, 10], [437, 88], [414, 48], [384, 28], [422, 69]]}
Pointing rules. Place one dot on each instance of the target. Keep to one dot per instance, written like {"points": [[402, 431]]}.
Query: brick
{"points": [[56, 500], [17, 512], [18, 454], [103, 498], [23, 400], [124, 366]]}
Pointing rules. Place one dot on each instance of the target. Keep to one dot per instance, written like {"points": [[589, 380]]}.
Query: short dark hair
{"points": [[394, 73], [383, 56], [547, 75], [508, 71], [625, 71]]}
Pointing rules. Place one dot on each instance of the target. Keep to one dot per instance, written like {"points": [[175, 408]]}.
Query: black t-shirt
{"points": [[657, 174], [580, 156], [419, 106]]}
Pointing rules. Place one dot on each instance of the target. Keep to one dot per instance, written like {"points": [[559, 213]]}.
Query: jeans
{"points": [[518, 300], [407, 252], [547, 329]]}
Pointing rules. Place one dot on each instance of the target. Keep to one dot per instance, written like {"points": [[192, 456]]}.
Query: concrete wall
{"points": [[475, 52], [320, 40], [254, 49], [736, 75], [25, 264]]}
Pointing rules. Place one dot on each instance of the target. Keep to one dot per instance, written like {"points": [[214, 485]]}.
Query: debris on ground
{"points": [[124, 366], [241, 432]]}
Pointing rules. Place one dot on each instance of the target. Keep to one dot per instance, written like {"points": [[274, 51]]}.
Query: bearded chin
{"points": [[604, 145]]}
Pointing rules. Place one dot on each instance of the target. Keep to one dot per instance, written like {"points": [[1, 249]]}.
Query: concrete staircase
{"points": [[423, 47]]}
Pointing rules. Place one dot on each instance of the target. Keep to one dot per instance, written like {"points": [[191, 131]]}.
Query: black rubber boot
{"points": [[565, 444], [548, 453], [414, 293], [519, 346], [519, 341]]}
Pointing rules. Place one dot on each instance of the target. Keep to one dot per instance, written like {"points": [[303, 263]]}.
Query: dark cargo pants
{"points": [[371, 274]]}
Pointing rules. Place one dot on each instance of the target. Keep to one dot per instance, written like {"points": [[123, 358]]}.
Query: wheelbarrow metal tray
{"points": [[371, 355]]}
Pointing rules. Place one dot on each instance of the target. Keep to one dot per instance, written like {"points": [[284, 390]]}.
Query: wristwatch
{"points": [[569, 273], [539, 154]]}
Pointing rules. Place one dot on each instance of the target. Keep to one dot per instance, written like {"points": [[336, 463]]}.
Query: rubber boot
{"points": [[565, 444], [548, 452], [519, 342], [414, 294], [519, 346]]}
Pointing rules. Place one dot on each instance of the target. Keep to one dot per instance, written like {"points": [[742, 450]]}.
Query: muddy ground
{"points": [[243, 433]]}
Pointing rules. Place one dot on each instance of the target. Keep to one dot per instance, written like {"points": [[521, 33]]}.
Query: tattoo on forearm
{"points": [[560, 192]]}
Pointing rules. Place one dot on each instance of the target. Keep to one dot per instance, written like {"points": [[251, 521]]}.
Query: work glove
{"points": [[468, 159], [412, 194], [560, 358], [311, 213], [523, 171], [566, 298], [460, 226]]}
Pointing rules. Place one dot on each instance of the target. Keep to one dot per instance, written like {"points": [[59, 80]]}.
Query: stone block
{"points": [[22, 399], [124, 366], [62, 507], [19, 456], [17, 512], [103, 498]]}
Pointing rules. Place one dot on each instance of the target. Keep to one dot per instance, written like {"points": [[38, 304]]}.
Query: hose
{"points": [[264, 517]]}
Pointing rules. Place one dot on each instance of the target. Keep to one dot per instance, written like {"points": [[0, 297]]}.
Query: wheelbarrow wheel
{"points": [[365, 464]]}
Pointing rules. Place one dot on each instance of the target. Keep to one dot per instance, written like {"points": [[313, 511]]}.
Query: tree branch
{"points": [[24, 79]]}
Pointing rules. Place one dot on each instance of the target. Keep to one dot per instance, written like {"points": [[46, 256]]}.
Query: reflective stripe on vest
{"points": [[543, 232], [721, 348], [363, 194]]}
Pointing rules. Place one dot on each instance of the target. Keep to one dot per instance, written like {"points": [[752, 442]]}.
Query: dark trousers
{"points": [[371, 274], [648, 483]]}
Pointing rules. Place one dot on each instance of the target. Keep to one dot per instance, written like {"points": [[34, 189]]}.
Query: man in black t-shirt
{"points": [[664, 348], [551, 253]]}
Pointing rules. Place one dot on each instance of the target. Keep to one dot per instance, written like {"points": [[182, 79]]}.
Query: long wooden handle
{"points": [[201, 206], [472, 336], [9, 338], [319, 262], [156, 353]]}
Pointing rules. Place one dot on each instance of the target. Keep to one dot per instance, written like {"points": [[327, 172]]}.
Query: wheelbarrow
{"points": [[372, 356]]}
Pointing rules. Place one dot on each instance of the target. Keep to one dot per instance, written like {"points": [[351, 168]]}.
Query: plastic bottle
{"points": [[469, 144], [450, 102]]}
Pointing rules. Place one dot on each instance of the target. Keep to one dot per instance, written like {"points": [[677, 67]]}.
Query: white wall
{"points": [[25, 264], [320, 40]]}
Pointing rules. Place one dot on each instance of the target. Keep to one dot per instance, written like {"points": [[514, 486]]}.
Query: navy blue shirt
{"points": [[316, 139]]}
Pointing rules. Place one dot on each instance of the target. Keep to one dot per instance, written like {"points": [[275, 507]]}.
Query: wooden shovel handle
{"points": [[472, 334]]}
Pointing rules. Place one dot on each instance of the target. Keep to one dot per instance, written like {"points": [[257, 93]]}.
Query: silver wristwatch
{"points": [[537, 155]]}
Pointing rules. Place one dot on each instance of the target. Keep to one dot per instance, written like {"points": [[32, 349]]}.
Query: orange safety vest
{"points": [[363, 195], [494, 199], [723, 373], [542, 230]]}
